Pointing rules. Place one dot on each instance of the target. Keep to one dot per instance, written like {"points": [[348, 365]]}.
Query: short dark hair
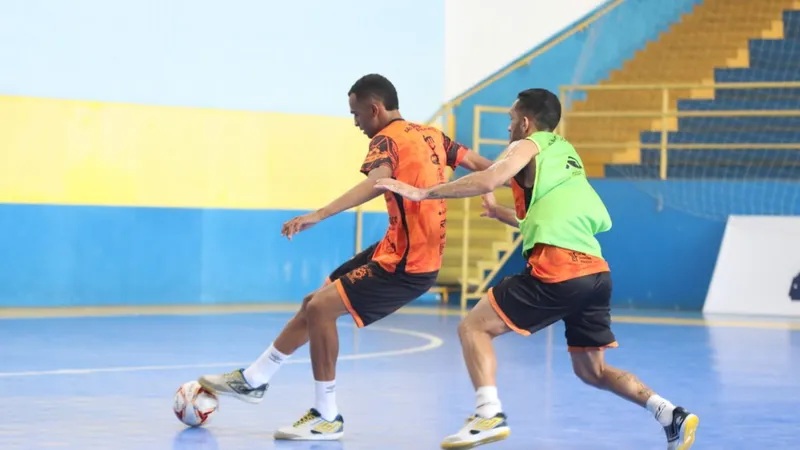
{"points": [[542, 106], [377, 87]]}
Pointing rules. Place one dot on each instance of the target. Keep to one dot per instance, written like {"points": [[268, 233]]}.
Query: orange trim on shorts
{"points": [[346, 301], [503, 315], [614, 344]]}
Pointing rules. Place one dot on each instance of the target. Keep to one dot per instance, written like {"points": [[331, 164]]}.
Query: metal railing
{"points": [[477, 142], [665, 115]]}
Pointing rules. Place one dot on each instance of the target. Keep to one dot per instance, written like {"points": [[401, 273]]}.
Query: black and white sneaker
{"points": [[681, 432], [233, 384]]}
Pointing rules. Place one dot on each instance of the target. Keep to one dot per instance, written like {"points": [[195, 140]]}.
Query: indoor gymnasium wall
{"points": [[148, 160], [119, 203]]}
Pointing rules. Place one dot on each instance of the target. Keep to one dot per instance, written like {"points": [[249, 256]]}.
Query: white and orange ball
{"points": [[193, 404]]}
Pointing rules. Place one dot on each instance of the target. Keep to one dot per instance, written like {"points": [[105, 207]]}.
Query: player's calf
{"points": [[680, 426], [489, 423], [323, 422]]}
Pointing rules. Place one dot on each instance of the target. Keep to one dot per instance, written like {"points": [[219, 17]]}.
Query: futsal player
{"points": [[376, 282], [566, 278]]}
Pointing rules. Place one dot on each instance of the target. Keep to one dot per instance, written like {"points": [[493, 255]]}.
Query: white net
{"points": [[727, 74]]}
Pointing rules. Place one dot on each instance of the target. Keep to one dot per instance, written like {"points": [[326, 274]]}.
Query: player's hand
{"points": [[398, 187], [300, 223], [489, 205]]}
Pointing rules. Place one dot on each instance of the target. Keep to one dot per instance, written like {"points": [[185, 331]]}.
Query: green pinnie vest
{"points": [[565, 211]]}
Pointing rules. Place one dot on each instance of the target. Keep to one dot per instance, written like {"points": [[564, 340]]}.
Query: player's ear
{"points": [[375, 110]]}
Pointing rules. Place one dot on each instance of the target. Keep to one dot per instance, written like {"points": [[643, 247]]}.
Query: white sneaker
{"points": [[312, 427], [233, 384], [479, 431]]}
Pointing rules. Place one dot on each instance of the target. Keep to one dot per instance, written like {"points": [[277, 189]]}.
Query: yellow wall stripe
{"points": [[81, 152]]}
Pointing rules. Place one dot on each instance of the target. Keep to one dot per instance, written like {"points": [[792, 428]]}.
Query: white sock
{"points": [[326, 399], [262, 370], [661, 409], [487, 403]]}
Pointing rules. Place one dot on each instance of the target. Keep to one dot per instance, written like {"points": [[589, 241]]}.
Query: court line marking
{"points": [[190, 310], [433, 343]]}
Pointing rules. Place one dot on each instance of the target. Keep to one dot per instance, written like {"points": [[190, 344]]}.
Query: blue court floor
{"points": [[107, 383]]}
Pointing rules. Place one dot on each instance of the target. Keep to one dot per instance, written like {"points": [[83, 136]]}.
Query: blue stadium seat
{"points": [[771, 60], [751, 75], [733, 124], [708, 171], [753, 156], [778, 54], [739, 104], [791, 24], [711, 137]]}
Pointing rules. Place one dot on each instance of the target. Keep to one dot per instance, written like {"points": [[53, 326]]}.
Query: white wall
{"points": [[481, 36]]}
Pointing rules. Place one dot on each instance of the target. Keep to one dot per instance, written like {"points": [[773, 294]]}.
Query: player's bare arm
{"points": [[474, 162], [356, 196], [471, 160], [518, 155], [493, 210]]}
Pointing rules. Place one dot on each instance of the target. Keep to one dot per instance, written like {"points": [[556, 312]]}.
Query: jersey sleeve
{"points": [[382, 152], [455, 152]]}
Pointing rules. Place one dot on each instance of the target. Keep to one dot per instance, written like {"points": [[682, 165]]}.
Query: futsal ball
{"points": [[193, 404]]}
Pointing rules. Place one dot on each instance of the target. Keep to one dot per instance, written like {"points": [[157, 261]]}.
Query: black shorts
{"points": [[371, 293], [528, 305]]}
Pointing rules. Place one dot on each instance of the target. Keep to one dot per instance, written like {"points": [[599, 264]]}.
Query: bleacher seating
{"points": [[770, 60]]}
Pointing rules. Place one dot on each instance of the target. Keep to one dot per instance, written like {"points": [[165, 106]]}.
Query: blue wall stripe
{"points": [[72, 255], [662, 256]]}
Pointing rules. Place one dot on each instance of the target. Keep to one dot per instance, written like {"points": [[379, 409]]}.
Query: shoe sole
{"points": [[279, 436], [227, 393], [689, 430], [503, 434]]}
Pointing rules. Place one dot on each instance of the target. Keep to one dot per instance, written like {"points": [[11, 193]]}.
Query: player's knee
{"points": [[314, 308], [464, 329], [476, 323], [470, 326], [321, 307], [306, 300], [591, 374], [301, 313]]}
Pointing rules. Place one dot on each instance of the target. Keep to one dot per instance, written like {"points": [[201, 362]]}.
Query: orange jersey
{"points": [[418, 155], [552, 264]]}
